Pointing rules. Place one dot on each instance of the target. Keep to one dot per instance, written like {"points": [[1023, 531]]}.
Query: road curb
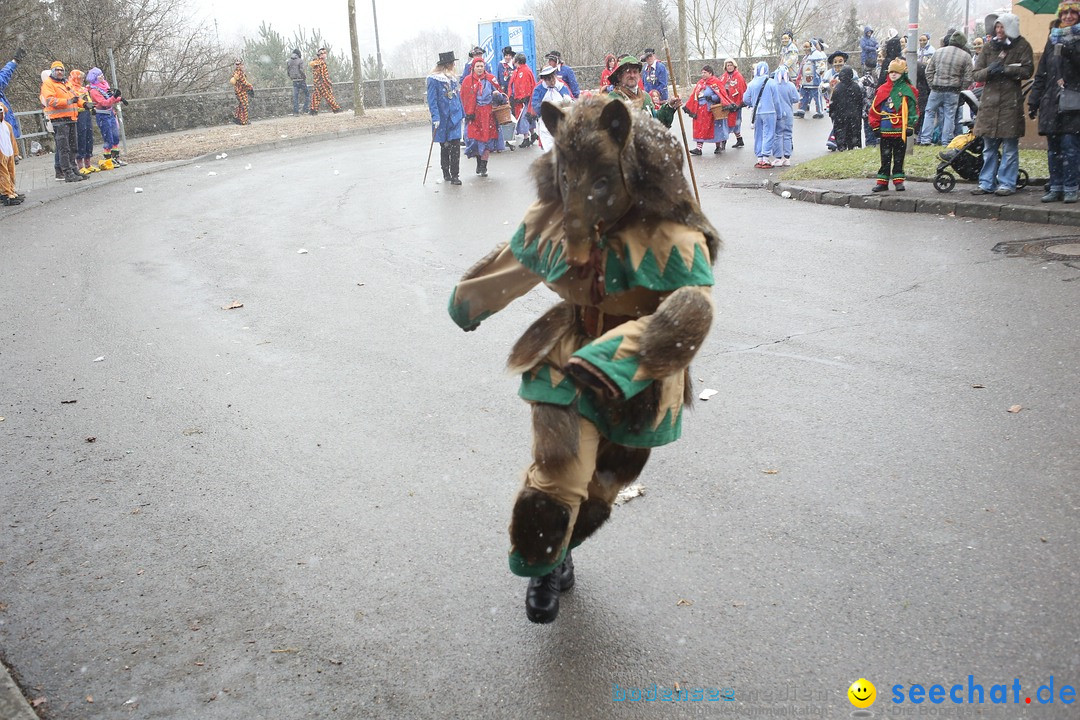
{"points": [[944, 205], [135, 172], [13, 706]]}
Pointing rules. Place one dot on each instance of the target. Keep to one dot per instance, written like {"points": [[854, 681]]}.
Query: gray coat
{"points": [[1001, 108], [1059, 62], [296, 69]]}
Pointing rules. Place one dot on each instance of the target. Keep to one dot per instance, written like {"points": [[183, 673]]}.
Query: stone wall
{"points": [[151, 116]]}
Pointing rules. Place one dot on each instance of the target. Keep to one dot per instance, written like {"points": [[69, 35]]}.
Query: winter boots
{"points": [[738, 142], [720, 147], [542, 595], [114, 154], [450, 158], [481, 167]]}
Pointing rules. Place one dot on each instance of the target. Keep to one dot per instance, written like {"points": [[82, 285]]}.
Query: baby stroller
{"points": [[964, 154]]}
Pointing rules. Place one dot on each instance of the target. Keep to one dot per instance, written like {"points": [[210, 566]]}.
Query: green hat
{"points": [[624, 62]]}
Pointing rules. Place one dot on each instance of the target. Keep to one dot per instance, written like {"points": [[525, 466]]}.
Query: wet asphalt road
{"points": [[298, 508]]}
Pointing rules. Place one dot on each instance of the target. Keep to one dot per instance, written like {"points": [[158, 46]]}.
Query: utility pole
{"points": [[378, 56], [912, 54], [682, 44], [357, 77]]}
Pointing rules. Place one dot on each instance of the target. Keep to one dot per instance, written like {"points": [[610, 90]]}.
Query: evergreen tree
{"points": [[850, 33], [266, 55]]}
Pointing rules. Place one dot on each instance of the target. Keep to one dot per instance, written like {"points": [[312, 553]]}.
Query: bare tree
{"points": [[705, 24], [418, 55], [159, 48]]}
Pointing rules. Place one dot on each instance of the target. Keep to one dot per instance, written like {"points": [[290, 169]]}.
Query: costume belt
{"points": [[593, 322]]}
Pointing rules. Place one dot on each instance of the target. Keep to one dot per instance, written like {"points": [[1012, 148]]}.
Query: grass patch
{"points": [[864, 163]]}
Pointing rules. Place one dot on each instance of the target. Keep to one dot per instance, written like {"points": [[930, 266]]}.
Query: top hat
{"points": [[445, 58]]}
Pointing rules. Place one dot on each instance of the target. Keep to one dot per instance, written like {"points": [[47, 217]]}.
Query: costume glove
{"points": [[435, 124]]}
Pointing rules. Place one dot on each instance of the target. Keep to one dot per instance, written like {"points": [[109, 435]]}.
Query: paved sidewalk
{"points": [[921, 197]]}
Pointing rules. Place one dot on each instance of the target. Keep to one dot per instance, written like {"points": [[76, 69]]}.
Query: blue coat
{"points": [[655, 78], [569, 78], [5, 77], [444, 102]]}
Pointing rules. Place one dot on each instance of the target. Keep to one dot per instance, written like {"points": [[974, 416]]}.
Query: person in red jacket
{"points": [[735, 84], [610, 63], [709, 92], [482, 132], [522, 84]]}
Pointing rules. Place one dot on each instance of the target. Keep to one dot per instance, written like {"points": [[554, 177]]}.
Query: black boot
{"points": [[542, 595], [479, 164], [454, 149], [739, 142], [483, 168], [444, 161]]}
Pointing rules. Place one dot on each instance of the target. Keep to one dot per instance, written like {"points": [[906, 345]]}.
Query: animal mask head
{"points": [[593, 158]]}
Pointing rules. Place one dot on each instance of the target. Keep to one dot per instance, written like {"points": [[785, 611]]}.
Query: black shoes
{"points": [[483, 168], [899, 187], [542, 595], [455, 180], [880, 187], [695, 151], [739, 142]]}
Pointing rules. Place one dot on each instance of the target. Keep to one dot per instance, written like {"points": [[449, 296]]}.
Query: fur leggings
{"points": [[569, 488]]}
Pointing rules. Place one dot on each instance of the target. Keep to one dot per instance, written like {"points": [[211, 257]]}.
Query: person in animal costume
{"points": [[8, 150], [617, 234]]}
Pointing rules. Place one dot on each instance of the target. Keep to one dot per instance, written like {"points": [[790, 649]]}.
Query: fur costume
{"points": [[617, 234]]}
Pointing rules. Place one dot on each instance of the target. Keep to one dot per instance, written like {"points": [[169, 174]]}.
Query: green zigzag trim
{"points": [[622, 371], [459, 312], [669, 430], [620, 276], [547, 261], [536, 387]]}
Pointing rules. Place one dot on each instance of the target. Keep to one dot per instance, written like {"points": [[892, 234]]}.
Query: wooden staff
{"points": [[682, 127], [430, 148]]}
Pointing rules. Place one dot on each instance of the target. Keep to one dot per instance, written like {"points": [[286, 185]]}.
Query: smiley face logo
{"points": [[862, 693]]}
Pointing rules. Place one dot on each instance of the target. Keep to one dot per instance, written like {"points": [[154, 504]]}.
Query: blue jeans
{"points": [[940, 110], [1000, 174], [299, 86], [809, 93], [1063, 156]]}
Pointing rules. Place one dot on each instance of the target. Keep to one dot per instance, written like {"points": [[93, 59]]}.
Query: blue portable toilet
{"points": [[516, 32]]}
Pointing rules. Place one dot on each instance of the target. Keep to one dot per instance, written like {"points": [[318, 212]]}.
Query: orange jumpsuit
{"points": [[323, 89], [243, 90]]}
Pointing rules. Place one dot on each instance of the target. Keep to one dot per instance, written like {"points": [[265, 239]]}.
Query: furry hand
{"points": [[587, 375], [19, 55]]}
